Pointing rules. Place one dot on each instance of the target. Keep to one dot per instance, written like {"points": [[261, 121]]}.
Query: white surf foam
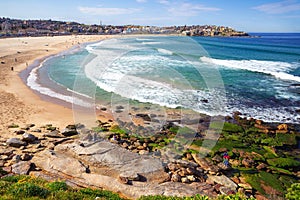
{"points": [[275, 68], [32, 82]]}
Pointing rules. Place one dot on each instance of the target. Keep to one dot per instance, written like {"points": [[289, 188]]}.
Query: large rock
{"points": [[15, 142], [223, 180], [69, 132], [206, 164], [104, 153], [101, 163], [22, 167], [53, 134], [27, 137]]}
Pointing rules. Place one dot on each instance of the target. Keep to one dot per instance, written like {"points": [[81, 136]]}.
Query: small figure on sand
{"points": [[12, 68]]}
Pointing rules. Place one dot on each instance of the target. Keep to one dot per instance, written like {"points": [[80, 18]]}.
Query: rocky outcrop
{"points": [[105, 165], [15, 142]]}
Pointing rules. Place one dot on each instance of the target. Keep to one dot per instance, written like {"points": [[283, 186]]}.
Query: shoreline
{"points": [[19, 103]]}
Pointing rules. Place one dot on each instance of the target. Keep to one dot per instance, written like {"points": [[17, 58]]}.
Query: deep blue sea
{"points": [[258, 76]]}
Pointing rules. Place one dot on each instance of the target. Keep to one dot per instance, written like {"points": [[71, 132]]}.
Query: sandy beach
{"points": [[19, 104]]}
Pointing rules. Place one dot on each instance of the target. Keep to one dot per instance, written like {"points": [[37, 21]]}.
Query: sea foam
{"points": [[275, 68]]}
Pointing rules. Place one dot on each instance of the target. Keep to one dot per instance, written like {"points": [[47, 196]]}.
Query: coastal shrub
{"points": [[283, 162], [293, 193], [57, 186], [14, 179], [26, 189]]}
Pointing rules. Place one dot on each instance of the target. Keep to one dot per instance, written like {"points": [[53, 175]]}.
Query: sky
{"points": [[244, 15]]}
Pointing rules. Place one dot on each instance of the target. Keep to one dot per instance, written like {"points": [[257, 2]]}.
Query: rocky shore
{"points": [[263, 158]]}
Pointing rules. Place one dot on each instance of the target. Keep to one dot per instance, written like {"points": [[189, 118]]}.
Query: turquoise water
{"points": [[258, 76]]}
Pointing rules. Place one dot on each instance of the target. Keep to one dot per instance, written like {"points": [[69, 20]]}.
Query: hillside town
{"points": [[20, 28]]}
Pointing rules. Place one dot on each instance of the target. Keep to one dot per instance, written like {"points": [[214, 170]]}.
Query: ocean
{"points": [[258, 76]]}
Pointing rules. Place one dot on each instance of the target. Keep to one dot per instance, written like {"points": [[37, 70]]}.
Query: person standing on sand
{"points": [[12, 68]]}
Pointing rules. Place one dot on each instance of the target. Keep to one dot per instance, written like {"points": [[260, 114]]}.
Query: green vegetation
{"points": [[117, 129], [197, 197], [293, 192], [29, 188], [283, 162], [13, 125]]}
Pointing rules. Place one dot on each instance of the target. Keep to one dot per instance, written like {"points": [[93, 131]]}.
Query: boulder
{"points": [[29, 138], [20, 132], [130, 176], [53, 134], [223, 180], [282, 127], [22, 168], [176, 178], [261, 166], [206, 164], [68, 162], [15, 142], [247, 162], [69, 132]]}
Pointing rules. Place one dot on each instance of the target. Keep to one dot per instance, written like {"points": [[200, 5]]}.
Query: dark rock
{"points": [[71, 126], [204, 101], [25, 157], [20, 132], [69, 132], [27, 137], [119, 107], [22, 168], [145, 117], [15, 142], [53, 134], [37, 130]]}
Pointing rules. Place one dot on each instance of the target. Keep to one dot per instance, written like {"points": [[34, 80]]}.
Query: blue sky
{"points": [[246, 15]]}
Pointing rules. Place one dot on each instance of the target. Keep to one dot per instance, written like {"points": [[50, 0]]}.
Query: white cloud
{"points": [[107, 11], [164, 2], [279, 7], [141, 1], [187, 9]]}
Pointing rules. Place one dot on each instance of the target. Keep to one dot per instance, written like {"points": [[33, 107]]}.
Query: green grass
{"points": [[29, 188], [286, 163]]}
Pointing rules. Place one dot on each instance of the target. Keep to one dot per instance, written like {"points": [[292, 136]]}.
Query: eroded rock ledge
{"points": [[105, 165]]}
